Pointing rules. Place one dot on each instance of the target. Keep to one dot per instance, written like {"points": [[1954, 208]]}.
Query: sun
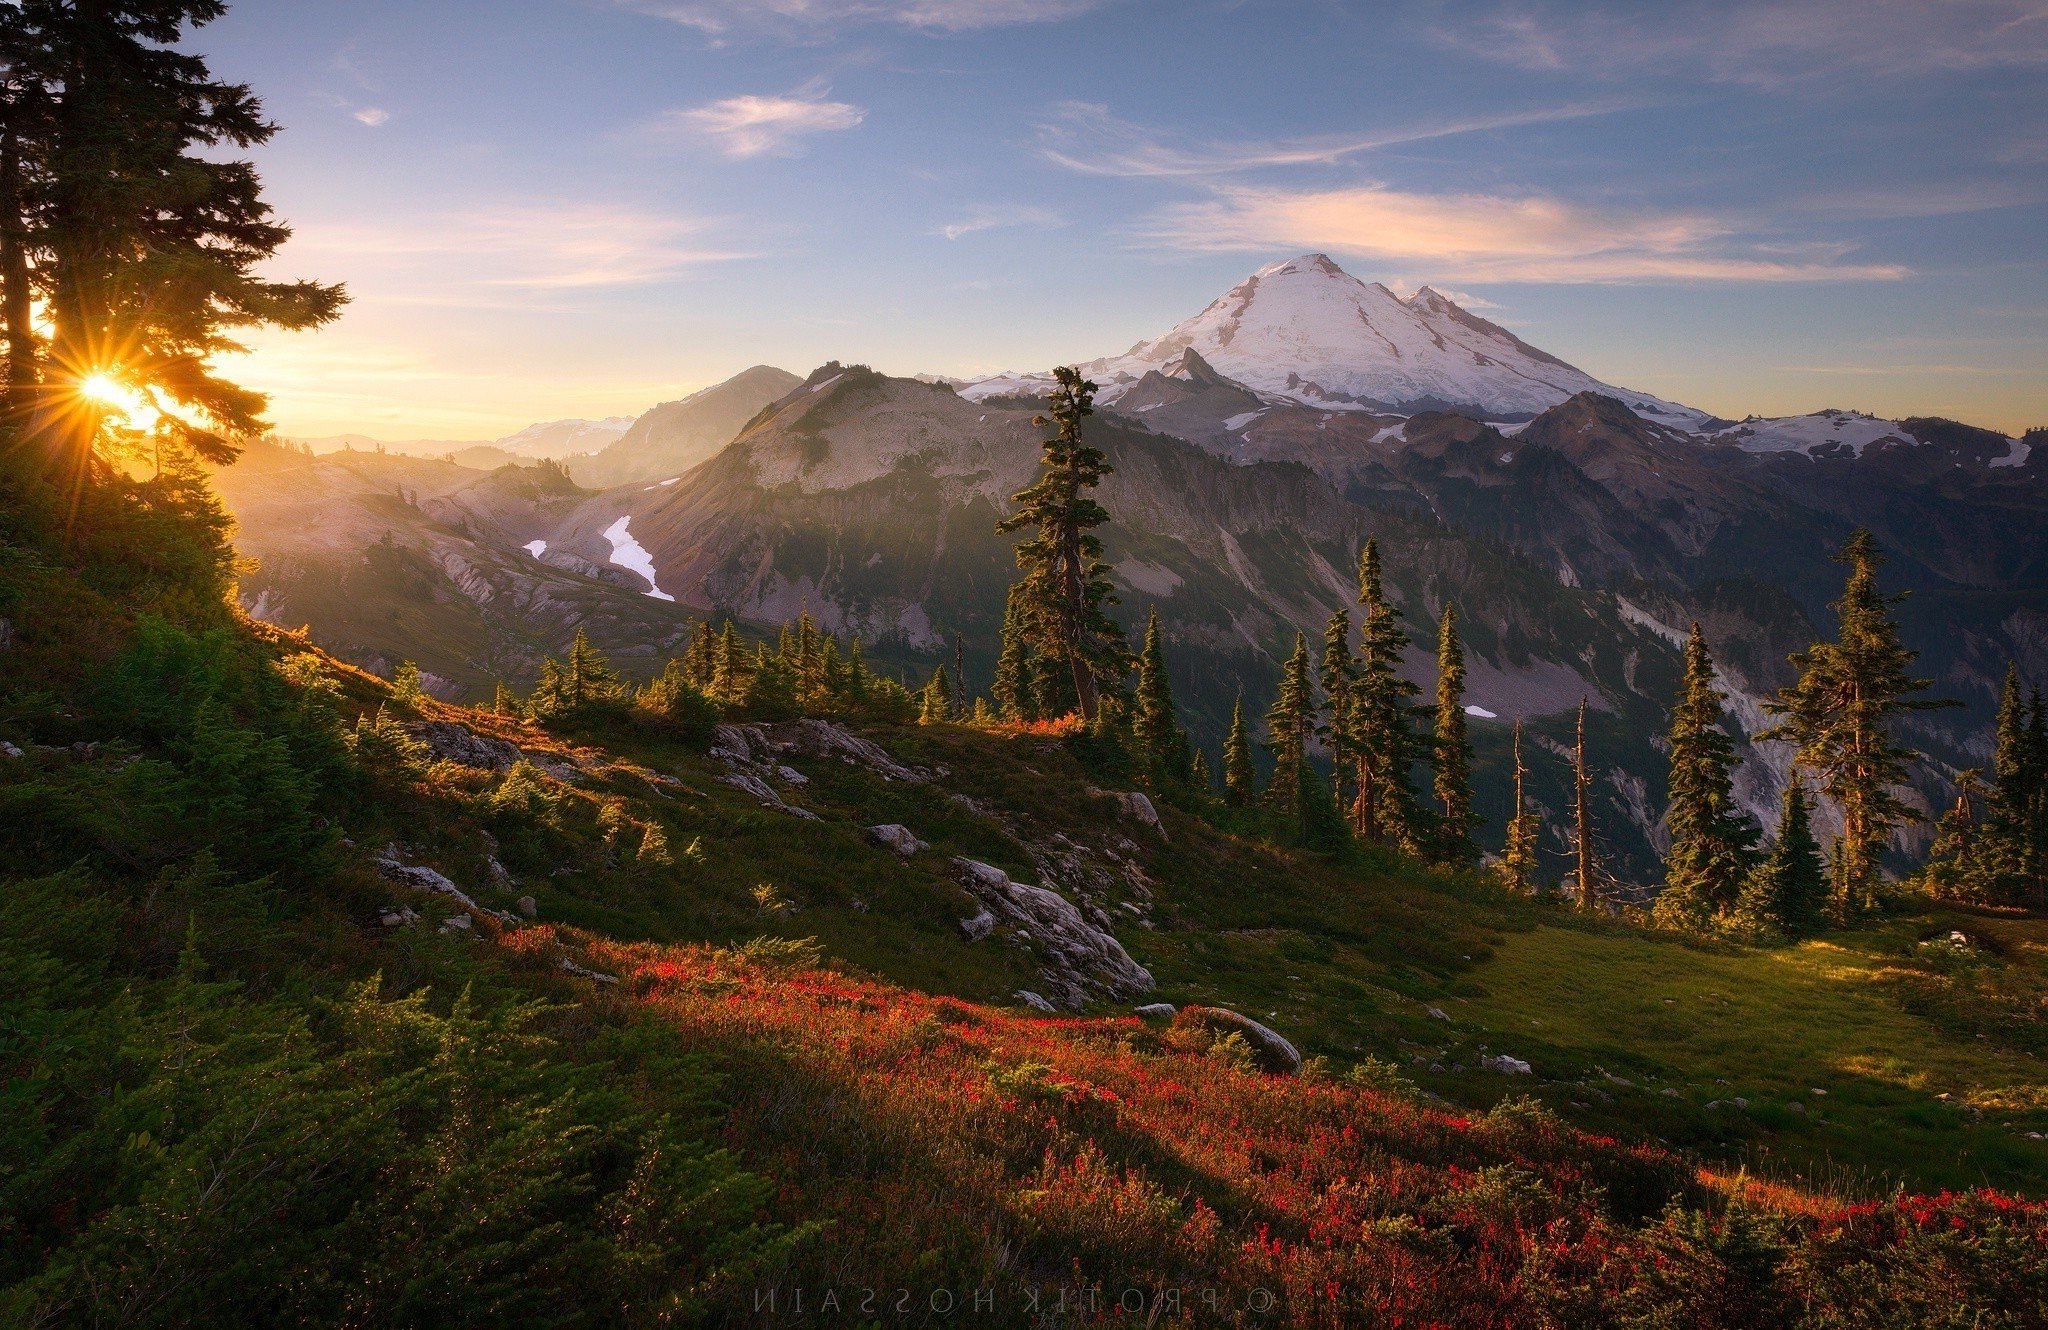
{"points": [[106, 390]]}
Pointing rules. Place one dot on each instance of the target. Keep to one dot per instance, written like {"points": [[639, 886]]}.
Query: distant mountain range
{"points": [[1579, 525]]}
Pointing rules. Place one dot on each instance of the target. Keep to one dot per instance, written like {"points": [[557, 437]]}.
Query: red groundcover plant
{"points": [[1103, 1170]]}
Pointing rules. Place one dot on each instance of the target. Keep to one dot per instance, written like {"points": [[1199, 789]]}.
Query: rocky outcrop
{"points": [[821, 738], [897, 837], [1081, 960], [1275, 1052], [750, 755], [447, 741]]}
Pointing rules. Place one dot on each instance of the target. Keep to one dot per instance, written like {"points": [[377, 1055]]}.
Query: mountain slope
{"points": [[675, 436]]}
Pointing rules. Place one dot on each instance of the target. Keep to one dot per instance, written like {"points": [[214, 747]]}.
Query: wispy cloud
{"points": [[1495, 238], [1086, 137], [999, 216], [1765, 42], [720, 17], [756, 126], [373, 116], [559, 246]]}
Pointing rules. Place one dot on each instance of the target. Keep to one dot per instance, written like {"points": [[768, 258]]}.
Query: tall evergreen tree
{"points": [[135, 228], [698, 657], [935, 701], [1239, 776], [1340, 680], [1289, 722], [1384, 809], [1788, 892], [1713, 845], [1518, 862], [1586, 870], [1065, 588], [728, 668], [2005, 855], [1841, 712], [2036, 756], [1155, 732], [1016, 699], [1199, 776], [1455, 818]]}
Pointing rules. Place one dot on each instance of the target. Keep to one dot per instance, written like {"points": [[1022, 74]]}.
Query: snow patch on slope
{"points": [[630, 554], [536, 548]]}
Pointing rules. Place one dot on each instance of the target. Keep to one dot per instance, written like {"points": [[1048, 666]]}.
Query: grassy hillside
{"points": [[257, 1072]]}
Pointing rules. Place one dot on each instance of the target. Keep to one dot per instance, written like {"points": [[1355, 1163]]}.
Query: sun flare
{"points": [[106, 390]]}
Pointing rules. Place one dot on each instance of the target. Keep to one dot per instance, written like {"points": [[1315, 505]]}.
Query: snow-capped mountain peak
{"points": [[1305, 331], [562, 438]]}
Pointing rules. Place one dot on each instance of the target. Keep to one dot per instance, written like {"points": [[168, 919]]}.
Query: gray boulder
{"points": [[980, 926], [1156, 1011], [896, 837], [1275, 1051], [1081, 960], [1505, 1065]]}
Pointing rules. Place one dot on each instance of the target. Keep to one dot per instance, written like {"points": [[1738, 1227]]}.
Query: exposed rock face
{"points": [[1275, 1052], [1504, 1064], [898, 838], [1081, 960], [449, 742], [751, 756], [979, 926], [1156, 1011]]}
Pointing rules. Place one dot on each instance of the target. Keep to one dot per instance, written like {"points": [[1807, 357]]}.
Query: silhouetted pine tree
{"points": [[1455, 818], [1841, 712], [1713, 845], [2006, 858], [1065, 590], [936, 701], [1587, 875]]}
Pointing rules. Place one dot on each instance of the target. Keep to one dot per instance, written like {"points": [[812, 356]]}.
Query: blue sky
{"points": [[548, 208]]}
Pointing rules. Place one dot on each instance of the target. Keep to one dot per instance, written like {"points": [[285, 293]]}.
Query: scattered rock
{"points": [[1136, 806], [585, 972], [455, 923], [1668, 1092], [1275, 1052], [754, 785], [1154, 1011], [978, 927], [394, 867], [792, 777], [9, 749], [1437, 1013], [1795, 1107], [399, 917], [897, 837], [1033, 1001], [1739, 1102], [1081, 959], [6, 634], [529, 907], [1505, 1065], [1623, 1081]]}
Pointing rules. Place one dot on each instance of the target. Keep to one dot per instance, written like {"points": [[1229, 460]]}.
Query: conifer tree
{"points": [[1455, 818], [1518, 863], [1340, 680], [1289, 722], [959, 689], [588, 677], [935, 701], [1958, 867], [728, 668], [406, 689], [503, 702], [1586, 866], [1065, 588], [1016, 700], [2035, 877], [2006, 852], [134, 226], [1712, 843], [1154, 730], [698, 657], [1199, 776], [1384, 809], [1841, 712], [1788, 892], [860, 680], [1239, 776]]}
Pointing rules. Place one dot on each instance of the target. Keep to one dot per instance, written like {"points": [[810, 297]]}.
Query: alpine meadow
{"points": [[516, 810]]}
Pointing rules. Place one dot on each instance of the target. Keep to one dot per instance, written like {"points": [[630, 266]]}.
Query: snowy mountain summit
{"points": [[1305, 331]]}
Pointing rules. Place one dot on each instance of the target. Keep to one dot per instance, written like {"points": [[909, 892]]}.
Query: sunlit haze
{"points": [[557, 208]]}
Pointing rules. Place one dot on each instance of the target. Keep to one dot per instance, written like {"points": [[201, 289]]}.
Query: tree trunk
{"points": [[15, 312], [1582, 816]]}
